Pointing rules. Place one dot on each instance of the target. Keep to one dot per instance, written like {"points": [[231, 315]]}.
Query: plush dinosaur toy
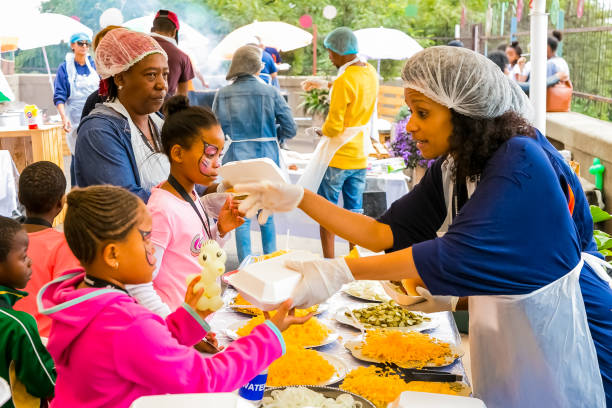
{"points": [[212, 258]]}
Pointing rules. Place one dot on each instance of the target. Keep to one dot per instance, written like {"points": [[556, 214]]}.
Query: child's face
{"points": [[136, 254], [203, 159], [16, 271]]}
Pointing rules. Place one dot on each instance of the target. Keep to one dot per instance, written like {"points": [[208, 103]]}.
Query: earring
{"points": [[120, 87], [116, 265]]}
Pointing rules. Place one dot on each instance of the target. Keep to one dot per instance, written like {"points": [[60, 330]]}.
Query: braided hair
{"points": [[97, 215]]}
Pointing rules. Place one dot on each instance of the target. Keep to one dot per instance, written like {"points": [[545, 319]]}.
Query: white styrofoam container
{"points": [[413, 399], [5, 391], [217, 400], [251, 171], [269, 283]]}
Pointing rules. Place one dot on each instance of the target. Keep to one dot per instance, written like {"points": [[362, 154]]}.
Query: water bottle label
{"points": [[254, 389]]}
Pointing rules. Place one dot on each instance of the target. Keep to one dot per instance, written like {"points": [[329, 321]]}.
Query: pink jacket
{"points": [[109, 350]]}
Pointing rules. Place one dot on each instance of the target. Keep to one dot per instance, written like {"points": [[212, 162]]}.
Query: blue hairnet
{"points": [[79, 37], [342, 41]]}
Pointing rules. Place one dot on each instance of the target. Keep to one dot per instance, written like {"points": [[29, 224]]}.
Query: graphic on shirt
{"points": [[196, 244]]}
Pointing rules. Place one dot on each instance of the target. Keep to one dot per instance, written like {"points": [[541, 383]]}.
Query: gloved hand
{"points": [[321, 278], [433, 303], [269, 198]]}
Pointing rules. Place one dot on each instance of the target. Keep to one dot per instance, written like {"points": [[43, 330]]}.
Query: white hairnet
{"points": [[121, 48], [465, 81], [246, 61]]}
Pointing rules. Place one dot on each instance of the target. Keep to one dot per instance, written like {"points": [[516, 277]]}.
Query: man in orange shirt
{"points": [[42, 188]]}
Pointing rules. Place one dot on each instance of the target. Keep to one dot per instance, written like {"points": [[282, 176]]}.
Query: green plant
{"points": [[316, 101], [602, 239]]}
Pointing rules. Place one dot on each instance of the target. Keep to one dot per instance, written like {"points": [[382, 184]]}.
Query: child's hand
{"points": [[210, 345], [192, 298], [229, 217], [285, 316]]}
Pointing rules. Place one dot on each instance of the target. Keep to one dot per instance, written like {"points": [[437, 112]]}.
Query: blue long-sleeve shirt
{"points": [[62, 85]]}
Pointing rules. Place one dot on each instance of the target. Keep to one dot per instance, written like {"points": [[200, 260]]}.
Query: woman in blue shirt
{"points": [[256, 118], [515, 235]]}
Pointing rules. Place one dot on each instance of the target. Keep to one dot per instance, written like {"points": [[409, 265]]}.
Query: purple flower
{"points": [[405, 147]]}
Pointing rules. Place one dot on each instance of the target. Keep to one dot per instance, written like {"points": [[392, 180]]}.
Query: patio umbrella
{"points": [[386, 43], [191, 41], [277, 34], [38, 31]]}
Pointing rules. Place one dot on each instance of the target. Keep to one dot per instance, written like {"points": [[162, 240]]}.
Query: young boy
{"points": [[42, 188], [24, 362]]}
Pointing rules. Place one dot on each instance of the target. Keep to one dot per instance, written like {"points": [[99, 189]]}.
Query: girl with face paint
{"points": [[192, 139]]}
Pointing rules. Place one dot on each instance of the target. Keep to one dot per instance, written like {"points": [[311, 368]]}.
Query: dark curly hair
{"points": [[474, 141], [41, 186], [8, 229]]}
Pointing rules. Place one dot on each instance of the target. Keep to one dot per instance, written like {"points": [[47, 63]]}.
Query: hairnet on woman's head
{"points": [[465, 81], [121, 48], [342, 41], [246, 61]]}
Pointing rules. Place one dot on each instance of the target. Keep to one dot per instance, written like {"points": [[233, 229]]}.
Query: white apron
{"points": [[153, 167], [533, 350], [81, 86], [328, 146]]}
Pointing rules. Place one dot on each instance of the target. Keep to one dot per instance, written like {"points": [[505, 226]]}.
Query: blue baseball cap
{"points": [[79, 37]]}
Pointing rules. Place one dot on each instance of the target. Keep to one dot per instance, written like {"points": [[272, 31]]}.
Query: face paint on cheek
{"points": [[206, 167], [150, 255]]}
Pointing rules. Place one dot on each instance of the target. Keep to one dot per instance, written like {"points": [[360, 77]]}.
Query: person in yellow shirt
{"points": [[353, 98]]}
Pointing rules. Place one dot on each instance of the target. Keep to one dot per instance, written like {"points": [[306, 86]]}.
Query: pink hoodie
{"points": [[109, 350]]}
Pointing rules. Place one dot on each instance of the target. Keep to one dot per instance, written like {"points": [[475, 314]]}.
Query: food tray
{"points": [[231, 332], [327, 392], [340, 317], [400, 298], [251, 171]]}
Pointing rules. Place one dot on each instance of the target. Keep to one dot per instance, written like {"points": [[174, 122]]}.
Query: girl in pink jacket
{"points": [[108, 349]]}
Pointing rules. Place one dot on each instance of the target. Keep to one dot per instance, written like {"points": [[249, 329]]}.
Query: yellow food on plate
{"points": [[268, 256], [383, 387], [311, 333], [353, 253], [241, 301], [374, 384], [298, 367], [407, 349]]}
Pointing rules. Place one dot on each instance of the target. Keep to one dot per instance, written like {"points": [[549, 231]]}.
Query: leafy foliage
{"points": [[316, 101], [602, 239]]}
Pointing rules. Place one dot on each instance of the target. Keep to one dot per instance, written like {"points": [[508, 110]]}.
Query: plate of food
{"points": [[403, 292], [313, 333], [382, 387], [369, 290], [305, 366], [241, 305], [312, 396], [385, 315], [404, 349]]}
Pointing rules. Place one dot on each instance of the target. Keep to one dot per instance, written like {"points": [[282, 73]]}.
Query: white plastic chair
{"points": [[5, 391]]}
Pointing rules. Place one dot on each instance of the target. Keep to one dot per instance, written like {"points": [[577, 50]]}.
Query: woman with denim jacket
{"points": [[119, 141], [256, 118]]}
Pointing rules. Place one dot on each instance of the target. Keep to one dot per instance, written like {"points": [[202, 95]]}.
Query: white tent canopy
{"points": [[386, 43]]}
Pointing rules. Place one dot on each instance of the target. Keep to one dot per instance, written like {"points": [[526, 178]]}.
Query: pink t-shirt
{"points": [[178, 230], [51, 257]]}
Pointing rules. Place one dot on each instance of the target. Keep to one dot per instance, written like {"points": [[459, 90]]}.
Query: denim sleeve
{"points": [[284, 118], [62, 86], [102, 158]]}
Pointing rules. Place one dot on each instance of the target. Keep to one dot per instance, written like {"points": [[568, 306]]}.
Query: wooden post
{"points": [[314, 49]]}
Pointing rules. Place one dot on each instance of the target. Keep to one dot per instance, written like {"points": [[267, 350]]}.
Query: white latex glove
{"points": [[269, 198], [321, 278], [433, 303]]}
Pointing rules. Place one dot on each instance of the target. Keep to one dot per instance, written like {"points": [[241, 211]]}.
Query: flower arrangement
{"points": [[316, 101], [402, 144]]}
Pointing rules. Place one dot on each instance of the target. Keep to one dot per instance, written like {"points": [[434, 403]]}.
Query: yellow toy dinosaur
{"points": [[212, 258]]}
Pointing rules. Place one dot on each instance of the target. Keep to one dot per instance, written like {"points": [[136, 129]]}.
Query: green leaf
{"points": [[606, 252], [603, 240], [599, 215]]}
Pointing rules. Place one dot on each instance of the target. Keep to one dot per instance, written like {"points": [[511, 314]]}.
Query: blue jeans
{"points": [[350, 182], [243, 238]]}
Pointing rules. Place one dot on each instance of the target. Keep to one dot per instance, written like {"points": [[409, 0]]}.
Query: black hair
{"points": [[474, 141], [517, 47], [8, 229], [557, 34], [554, 40], [183, 123], [163, 25], [41, 186], [456, 43], [98, 215], [499, 58]]}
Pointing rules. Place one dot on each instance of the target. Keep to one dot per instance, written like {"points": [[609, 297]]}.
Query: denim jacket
{"points": [[250, 109], [104, 152]]}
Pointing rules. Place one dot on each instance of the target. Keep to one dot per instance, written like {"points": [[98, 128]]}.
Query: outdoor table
{"points": [[446, 331], [31, 145]]}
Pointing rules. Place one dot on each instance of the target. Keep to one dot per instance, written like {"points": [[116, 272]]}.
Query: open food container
{"points": [[269, 283], [252, 171], [217, 400], [399, 296], [409, 399]]}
